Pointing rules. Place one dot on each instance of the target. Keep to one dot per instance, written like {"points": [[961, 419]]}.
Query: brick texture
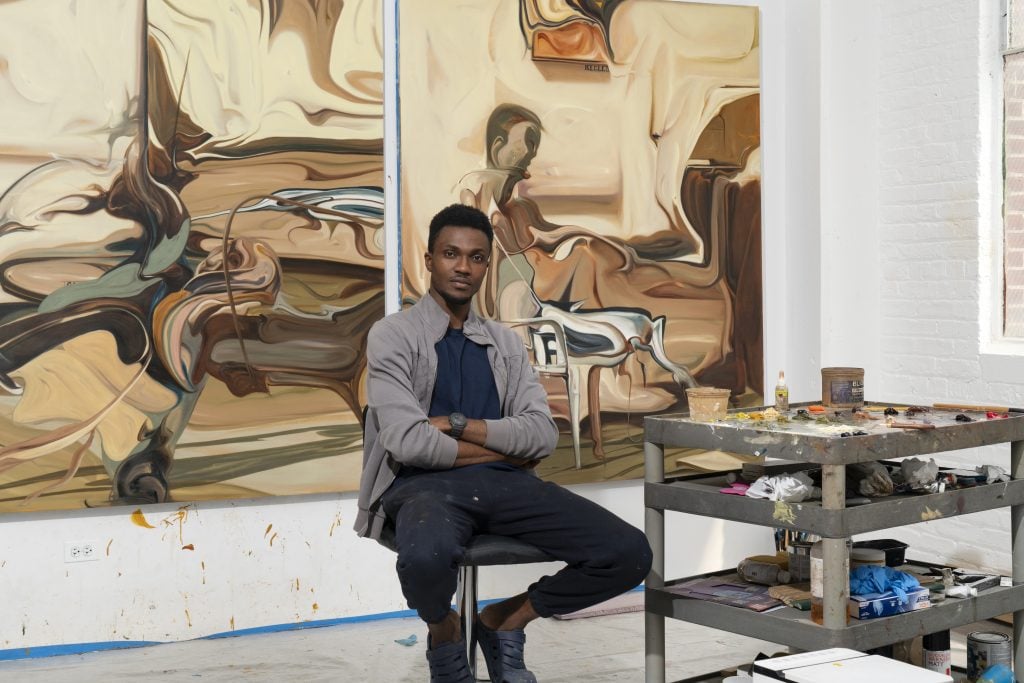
{"points": [[930, 157], [1013, 248]]}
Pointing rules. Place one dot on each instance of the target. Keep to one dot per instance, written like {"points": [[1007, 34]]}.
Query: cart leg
{"points": [[836, 581], [1017, 552], [654, 527]]}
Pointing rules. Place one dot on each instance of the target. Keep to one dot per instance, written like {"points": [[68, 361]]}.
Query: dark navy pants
{"points": [[436, 513]]}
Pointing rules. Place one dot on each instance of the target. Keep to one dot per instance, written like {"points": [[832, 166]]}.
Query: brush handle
{"points": [[912, 425], [980, 409]]}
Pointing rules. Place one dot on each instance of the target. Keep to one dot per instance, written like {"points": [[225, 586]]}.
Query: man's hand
{"points": [[441, 423]]}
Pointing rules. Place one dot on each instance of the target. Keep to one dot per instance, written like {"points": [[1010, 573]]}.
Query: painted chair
{"points": [[545, 339]]}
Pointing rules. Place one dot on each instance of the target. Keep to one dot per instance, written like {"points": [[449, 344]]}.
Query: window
{"points": [[1013, 161]]}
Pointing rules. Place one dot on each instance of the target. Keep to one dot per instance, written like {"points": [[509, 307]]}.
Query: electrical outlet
{"points": [[80, 551]]}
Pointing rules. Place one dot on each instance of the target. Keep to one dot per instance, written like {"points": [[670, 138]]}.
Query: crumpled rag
{"points": [[789, 488]]}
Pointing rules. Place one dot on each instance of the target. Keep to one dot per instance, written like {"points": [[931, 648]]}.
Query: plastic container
{"points": [[861, 557], [764, 573], [842, 387], [895, 551], [707, 404]]}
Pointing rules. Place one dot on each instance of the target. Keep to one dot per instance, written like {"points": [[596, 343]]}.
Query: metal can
{"points": [[842, 387], [800, 561], [985, 648]]}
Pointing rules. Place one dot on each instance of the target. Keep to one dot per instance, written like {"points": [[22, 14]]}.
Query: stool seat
{"points": [[487, 550]]}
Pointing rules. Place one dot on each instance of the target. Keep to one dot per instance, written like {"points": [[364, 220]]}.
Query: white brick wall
{"points": [[1013, 255], [932, 66]]}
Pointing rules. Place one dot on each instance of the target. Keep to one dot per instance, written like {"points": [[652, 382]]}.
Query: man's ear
{"points": [[428, 261]]}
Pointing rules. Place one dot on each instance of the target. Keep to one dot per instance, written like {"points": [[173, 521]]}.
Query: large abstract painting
{"points": [[191, 247], [615, 144]]}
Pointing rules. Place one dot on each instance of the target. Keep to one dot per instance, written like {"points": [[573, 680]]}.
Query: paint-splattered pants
{"points": [[436, 513]]}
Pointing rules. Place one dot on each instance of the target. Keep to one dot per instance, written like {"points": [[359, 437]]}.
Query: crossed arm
{"points": [[471, 445], [413, 438]]}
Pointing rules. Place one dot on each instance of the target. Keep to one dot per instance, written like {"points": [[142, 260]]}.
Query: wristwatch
{"points": [[458, 422]]}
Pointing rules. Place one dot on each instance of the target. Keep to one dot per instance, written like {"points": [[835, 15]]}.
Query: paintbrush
{"points": [[911, 425], [980, 409]]}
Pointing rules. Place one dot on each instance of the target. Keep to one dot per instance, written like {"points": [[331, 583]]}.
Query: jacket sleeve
{"points": [[527, 430], [405, 432]]}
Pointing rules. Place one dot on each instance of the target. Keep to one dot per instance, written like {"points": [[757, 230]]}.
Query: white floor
{"points": [[595, 649]]}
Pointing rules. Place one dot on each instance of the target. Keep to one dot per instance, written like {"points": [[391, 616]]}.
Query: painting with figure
{"points": [[191, 247], [615, 146]]}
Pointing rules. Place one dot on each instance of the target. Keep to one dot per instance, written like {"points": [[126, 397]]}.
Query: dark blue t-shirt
{"points": [[465, 382]]}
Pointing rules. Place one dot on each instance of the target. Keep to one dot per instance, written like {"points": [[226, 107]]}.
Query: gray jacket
{"points": [[402, 367]]}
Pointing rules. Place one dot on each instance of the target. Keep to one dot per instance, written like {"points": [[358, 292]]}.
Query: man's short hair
{"points": [[460, 216]]}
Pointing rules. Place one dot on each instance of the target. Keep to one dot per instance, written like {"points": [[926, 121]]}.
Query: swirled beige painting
{"points": [[191, 247], [615, 144]]}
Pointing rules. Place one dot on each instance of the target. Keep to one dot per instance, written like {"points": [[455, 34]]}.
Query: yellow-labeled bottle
{"points": [[782, 394]]}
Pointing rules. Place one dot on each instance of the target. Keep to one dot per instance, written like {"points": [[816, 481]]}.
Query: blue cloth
{"points": [[871, 579], [465, 382]]}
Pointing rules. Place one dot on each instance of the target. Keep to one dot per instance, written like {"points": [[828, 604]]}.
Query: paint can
{"points": [[985, 648], [842, 387], [800, 561]]}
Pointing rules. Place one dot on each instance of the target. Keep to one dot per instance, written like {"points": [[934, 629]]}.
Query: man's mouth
{"points": [[461, 283]]}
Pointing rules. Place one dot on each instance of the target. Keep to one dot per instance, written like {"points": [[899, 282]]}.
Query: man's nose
{"points": [[462, 264]]}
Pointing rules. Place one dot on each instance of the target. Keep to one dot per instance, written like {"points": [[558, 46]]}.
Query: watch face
{"points": [[458, 422]]}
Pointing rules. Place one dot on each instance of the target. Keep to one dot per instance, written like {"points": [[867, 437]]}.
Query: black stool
{"points": [[483, 550]]}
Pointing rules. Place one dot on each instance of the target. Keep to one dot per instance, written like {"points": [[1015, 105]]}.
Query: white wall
{"points": [[146, 586], [911, 209]]}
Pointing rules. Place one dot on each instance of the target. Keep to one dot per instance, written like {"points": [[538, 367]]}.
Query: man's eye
{"points": [[448, 253], [477, 258]]}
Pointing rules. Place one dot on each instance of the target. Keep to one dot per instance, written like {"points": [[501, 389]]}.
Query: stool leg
{"points": [[466, 604]]}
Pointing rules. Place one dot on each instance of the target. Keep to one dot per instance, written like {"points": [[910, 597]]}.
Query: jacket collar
{"points": [[437, 321]]}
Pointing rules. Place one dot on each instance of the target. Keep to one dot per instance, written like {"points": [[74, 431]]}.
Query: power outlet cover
{"points": [[80, 551]]}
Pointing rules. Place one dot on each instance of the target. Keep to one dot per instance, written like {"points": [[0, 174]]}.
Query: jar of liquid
{"points": [[782, 394], [818, 581]]}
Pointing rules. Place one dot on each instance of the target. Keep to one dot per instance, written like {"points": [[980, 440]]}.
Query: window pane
{"points": [[1013, 246], [1015, 22]]}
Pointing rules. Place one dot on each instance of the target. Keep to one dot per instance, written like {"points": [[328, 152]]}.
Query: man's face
{"points": [[458, 263], [520, 148]]}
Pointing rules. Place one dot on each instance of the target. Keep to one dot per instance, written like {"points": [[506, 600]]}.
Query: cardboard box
{"points": [[873, 605], [840, 665]]}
